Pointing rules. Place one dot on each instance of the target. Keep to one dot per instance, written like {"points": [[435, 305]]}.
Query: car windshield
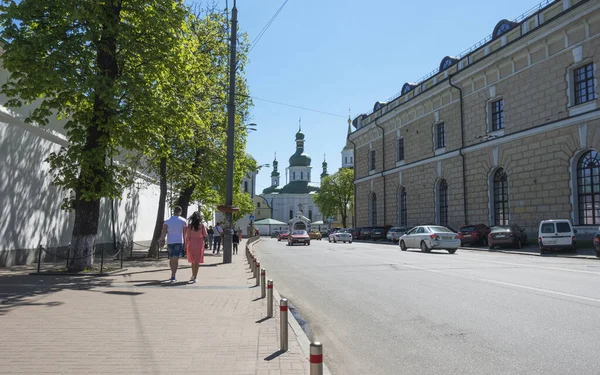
{"points": [[563, 227], [440, 229], [469, 228], [299, 232], [500, 229]]}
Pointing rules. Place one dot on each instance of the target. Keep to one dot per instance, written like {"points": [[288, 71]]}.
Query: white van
{"points": [[556, 235]]}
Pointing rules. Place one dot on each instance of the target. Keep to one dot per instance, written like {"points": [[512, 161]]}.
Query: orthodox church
{"points": [[293, 203]]}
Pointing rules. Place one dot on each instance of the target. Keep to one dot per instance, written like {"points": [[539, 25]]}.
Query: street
{"points": [[378, 310]]}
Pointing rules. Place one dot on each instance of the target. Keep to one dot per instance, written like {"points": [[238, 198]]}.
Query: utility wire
{"points": [[293, 106], [264, 29]]}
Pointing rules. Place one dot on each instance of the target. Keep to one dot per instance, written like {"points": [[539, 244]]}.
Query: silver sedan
{"points": [[428, 237], [340, 236]]}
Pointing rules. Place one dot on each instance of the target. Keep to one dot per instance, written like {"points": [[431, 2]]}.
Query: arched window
{"points": [[500, 186], [588, 188], [302, 175], [245, 186], [257, 204], [291, 214], [442, 201], [294, 176], [373, 210], [310, 215], [402, 209]]}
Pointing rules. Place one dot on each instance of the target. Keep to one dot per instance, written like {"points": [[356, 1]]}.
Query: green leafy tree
{"points": [[336, 195], [92, 63]]}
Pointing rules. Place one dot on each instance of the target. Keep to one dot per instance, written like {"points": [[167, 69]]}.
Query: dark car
{"points": [[355, 233], [365, 233], [597, 242], [378, 233], [275, 233], [473, 234], [507, 235]]}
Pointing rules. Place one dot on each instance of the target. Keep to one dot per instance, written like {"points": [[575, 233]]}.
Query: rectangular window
{"points": [[371, 160], [399, 149], [584, 84], [440, 136], [497, 115]]}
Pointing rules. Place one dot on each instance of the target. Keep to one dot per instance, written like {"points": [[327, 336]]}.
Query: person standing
{"points": [[173, 231], [218, 235], [235, 241], [211, 235], [195, 236]]}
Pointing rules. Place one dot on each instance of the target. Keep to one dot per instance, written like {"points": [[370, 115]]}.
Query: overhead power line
{"points": [[294, 106], [264, 29]]}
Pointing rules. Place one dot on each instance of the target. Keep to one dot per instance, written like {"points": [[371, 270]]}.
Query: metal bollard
{"points": [[316, 358], [257, 273], [263, 286], [283, 321], [269, 298], [254, 267]]}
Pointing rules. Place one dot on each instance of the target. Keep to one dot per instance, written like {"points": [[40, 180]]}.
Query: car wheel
{"points": [[451, 251], [308, 243], [598, 253], [491, 247], [402, 246], [330, 240], [424, 247], [349, 241], [519, 244], [543, 251], [344, 241], [484, 241], [279, 239]]}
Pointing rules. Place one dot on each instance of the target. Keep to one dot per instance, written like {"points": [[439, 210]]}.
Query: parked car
{"points": [[378, 233], [473, 234], [597, 243], [298, 236], [324, 233], [275, 233], [395, 233], [315, 235], [341, 235], [507, 235], [430, 237], [365, 233], [283, 235], [355, 233], [556, 235]]}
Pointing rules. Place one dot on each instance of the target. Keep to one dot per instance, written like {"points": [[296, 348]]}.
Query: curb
{"points": [[301, 336]]}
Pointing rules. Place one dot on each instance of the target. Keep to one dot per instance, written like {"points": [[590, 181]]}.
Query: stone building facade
{"points": [[508, 132]]}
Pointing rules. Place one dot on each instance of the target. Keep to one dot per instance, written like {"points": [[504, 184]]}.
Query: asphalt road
{"points": [[378, 310]]}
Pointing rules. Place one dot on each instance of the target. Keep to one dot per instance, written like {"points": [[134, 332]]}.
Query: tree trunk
{"points": [[344, 218], [160, 215], [83, 240], [184, 199], [93, 172], [186, 194]]}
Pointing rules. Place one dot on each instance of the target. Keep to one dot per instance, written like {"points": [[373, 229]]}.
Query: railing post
{"points": [[316, 358], [263, 287], [39, 258], [283, 319], [270, 298]]}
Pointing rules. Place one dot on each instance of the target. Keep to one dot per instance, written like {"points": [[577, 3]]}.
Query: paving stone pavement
{"points": [[137, 323]]}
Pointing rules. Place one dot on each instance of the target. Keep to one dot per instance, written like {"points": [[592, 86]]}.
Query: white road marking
{"points": [[507, 284], [532, 266]]}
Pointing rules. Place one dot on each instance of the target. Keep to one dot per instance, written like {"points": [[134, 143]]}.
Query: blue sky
{"points": [[332, 55]]}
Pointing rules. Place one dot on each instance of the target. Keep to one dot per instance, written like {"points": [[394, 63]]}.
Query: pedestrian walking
{"points": [[218, 235], [239, 233], [195, 237], [173, 231], [211, 235], [235, 240]]}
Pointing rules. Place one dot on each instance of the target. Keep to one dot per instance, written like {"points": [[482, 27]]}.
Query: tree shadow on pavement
{"points": [[29, 290]]}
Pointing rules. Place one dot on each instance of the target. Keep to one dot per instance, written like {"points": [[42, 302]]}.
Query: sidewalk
{"points": [[136, 323]]}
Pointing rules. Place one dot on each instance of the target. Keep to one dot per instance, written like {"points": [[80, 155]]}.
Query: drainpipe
{"points": [[382, 165], [462, 146]]}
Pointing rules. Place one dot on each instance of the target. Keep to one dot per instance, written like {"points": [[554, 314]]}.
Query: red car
{"points": [[283, 235], [473, 234], [298, 236]]}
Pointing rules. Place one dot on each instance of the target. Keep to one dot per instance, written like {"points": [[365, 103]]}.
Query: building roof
{"points": [[269, 221], [299, 187]]}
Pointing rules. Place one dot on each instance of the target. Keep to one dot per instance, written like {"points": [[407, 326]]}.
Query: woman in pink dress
{"points": [[195, 235]]}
